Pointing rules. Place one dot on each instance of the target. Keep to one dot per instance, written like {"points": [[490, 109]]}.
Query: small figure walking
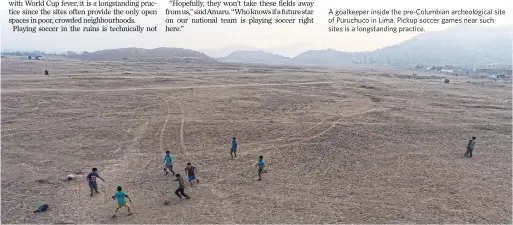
{"points": [[168, 159], [191, 171], [261, 167], [181, 187], [233, 152], [120, 196], [91, 177], [470, 147]]}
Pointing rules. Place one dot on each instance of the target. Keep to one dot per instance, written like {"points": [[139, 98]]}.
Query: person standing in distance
{"points": [[470, 147], [233, 152]]}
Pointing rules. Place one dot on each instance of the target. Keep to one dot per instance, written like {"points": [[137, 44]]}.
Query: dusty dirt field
{"points": [[353, 146]]}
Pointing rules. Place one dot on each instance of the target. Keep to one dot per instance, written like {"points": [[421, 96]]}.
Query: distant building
{"points": [[499, 76], [495, 72], [436, 68], [498, 66]]}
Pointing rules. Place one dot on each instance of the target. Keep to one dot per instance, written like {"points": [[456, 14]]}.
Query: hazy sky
{"points": [[196, 36]]}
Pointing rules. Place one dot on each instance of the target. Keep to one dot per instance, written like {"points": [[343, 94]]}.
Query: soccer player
{"points": [[261, 167], [120, 196], [91, 177], [168, 159], [234, 148], [181, 188], [191, 171]]}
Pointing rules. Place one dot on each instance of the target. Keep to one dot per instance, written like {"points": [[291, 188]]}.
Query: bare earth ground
{"points": [[353, 146]]}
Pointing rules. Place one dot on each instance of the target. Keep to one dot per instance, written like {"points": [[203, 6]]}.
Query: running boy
{"points": [[181, 188], [91, 177], [120, 196], [168, 159], [190, 171], [234, 148], [261, 167]]}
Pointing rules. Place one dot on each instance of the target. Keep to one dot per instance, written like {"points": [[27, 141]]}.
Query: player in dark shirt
{"points": [[91, 177], [181, 187], [191, 171]]}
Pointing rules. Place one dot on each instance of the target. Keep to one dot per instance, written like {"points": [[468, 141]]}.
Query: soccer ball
{"points": [[71, 177], [166, 202]]}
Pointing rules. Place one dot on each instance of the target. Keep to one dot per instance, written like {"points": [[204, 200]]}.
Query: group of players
{"points": [[190, 171]]}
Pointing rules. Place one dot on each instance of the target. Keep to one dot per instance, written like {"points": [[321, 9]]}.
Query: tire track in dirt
{"points": [[163, 129], [285, 138], [299, 141], [283, 141], [132, 149], [182, 142], [122, 143], [291, 135], [318, 134], [333, 124], [160, 134], [279, 138], [138, 136]]}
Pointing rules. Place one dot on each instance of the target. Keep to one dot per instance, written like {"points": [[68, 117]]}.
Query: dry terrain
{"points": [[341, 146]]}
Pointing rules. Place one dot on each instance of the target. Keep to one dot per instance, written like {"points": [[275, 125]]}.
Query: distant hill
{"points": [[461, 45], [310, 58], [291, 50], [327, 57], [259, 57], [141, 54], [224, 52]]}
